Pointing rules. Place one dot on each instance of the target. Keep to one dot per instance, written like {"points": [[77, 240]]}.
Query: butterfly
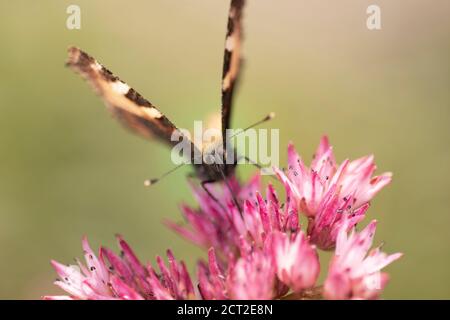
{"points": [[142, 117]]}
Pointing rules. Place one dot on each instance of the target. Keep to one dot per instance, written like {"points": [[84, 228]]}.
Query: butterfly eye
{"points": [[209, 158]]}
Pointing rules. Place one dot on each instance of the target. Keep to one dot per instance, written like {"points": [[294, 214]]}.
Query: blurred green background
{"points": [[67, 169]]}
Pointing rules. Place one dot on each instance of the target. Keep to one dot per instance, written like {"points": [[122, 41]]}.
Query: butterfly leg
{"points": [[203, 184], [192, 175], [236, 203]]}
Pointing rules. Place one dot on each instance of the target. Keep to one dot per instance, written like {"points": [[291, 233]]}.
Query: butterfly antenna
{"points": [[270, 116], [150, 182]]}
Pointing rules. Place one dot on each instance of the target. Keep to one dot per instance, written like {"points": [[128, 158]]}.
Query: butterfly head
{"points": [[216, 163]]}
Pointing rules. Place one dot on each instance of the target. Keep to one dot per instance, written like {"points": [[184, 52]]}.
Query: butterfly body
{"points": [[215, 166]]}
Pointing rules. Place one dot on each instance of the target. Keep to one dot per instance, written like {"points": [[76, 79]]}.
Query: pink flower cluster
{"points": [[259, 250]]}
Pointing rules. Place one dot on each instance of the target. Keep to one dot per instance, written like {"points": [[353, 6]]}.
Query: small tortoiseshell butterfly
{"points": [[142, 117]]}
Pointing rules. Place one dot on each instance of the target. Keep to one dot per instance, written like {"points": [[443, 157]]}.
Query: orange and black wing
{"points": [[231, 61], [127, 105]]}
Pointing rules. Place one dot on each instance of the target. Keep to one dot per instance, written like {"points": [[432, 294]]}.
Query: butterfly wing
{"points": [[129, 107], [231, 61]]}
